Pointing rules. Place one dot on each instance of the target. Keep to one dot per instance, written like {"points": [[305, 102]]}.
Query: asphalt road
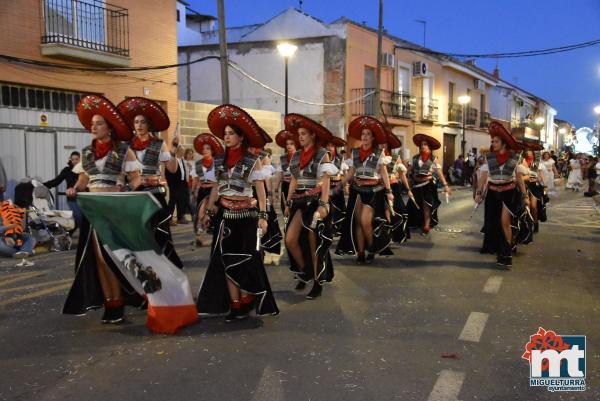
{"points": [[437, 321]]}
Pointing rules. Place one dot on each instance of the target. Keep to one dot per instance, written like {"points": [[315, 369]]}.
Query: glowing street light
{"points": [[464, 100], [287, 50], [597, 109], [539, 120]]}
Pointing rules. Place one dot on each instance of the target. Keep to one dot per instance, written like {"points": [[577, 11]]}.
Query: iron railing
{"points": [[88, 24], [394, 104], [471, 117], [455, 112], [429, 109], [485, 119]]}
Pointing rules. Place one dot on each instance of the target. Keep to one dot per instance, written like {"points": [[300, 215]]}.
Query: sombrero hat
{"points": [[337, 142], [91, 105], [392, 140], [295, 121], [211, 140], [266, 136], [529, 145], [134, 106], [497, 129], [431, 141], [228, 114], [358, 124], [282, 137]]}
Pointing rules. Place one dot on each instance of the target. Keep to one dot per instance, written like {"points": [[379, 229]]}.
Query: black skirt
{"points": [[400, 230], [285, 186], [234, 256], [338, 210], [324, 235], [426, 194], [382, 236], [271, 240], [537, 191], [161, 225], [86, 292], [494, 240]]}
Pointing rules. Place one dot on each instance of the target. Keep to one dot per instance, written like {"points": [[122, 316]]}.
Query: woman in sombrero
{"points": [[422, 213], [366, 230], [503, 188], [309, 230], [535, 181], [147, 118], [336, 198], [397, 173], [236, 281], [103, 168], [289, 143], [208, 146]]}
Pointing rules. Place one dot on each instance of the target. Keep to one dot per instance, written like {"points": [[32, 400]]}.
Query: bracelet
{"points": [[324, 204], [210, 212], [388, 191], [288, 203], [478, 192], [262, 215]]}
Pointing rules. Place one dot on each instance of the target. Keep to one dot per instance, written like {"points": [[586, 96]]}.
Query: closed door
{"points": [[449, 146]]}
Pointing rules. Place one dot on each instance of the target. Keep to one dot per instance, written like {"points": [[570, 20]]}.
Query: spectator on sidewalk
{"points": [[459, 168], [179, 192], [13, 239], [70, 177]]}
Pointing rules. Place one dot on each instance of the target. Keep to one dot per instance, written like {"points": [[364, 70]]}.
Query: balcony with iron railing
{"points": [[393, 104], [471, 117], [429, 109], [455, 113], [86, 30], [485, 120]]}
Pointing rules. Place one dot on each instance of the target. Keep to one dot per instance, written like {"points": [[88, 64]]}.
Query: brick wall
{"points": [[152, 41]]}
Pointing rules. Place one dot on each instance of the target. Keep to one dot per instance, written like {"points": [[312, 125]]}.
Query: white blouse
{"points": [[208, 175], [383, 161], [255, 175], [128, 167]]}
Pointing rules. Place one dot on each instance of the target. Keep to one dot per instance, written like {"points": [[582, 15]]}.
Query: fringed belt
{"points": [[152, 181], [305, 193], [229, 214], [502, 187], [241, 204], [367, 189], [424, 178], [369, 182], [207, 184]]}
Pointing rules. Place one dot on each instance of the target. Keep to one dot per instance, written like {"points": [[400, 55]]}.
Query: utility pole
{"points": [[223, 52], [379, 51], [424, 23]]}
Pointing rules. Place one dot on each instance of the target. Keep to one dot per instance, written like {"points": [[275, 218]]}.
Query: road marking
{"points": [[269, 387], [474, 327], [492, 286], [13, 278], [35, 294], [30, 286], [447, 386]]}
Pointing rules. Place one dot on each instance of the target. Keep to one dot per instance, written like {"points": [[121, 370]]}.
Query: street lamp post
{"points": [[597, 111], [464, 100], [287, 50]]}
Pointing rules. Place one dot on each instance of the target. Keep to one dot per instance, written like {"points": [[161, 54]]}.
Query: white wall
{"points": [[306, 78]]}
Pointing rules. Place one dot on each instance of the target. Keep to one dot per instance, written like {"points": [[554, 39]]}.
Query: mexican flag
{"points": [[122, 222]]}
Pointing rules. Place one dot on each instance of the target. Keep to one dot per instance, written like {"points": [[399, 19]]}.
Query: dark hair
{"points": [[75, 153], [241, 133], [148, 121]]}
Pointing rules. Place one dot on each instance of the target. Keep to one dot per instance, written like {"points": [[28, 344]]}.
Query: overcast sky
{"points": [[569, 81]]}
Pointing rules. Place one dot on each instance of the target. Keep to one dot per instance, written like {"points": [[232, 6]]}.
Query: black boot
{"points": [[113, 315], [316, 291], [234, 312], [370, 258], [300, 285], [360, 259], [536, 227]]}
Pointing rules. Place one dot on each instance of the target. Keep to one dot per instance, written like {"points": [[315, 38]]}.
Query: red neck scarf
{"points": [[289, 156], [529, 159], [101, 149], [425, 155], [333, 153], [138, 144], [207, 162], [364, 153], [502, 157], [306, 156], [234, 155]]}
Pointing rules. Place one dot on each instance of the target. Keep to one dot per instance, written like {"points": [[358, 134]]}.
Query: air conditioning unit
{"points": [[388, 60], [479, 85], [420, 69]]}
